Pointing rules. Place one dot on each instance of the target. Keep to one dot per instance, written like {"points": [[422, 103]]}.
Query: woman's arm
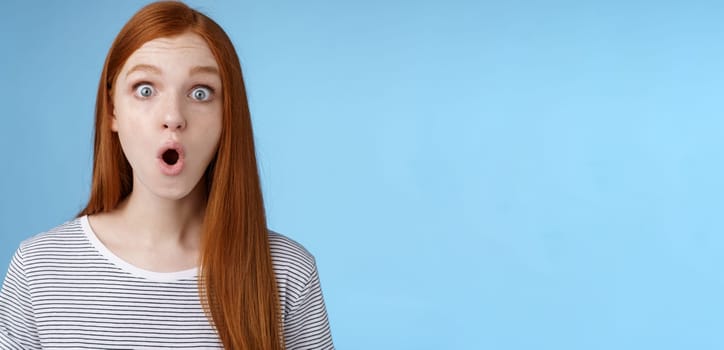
{"points": [[306, 326], [17, 321]]}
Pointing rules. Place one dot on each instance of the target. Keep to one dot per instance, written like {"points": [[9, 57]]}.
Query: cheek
{"points": [[211, 122], [125, 124], [212, 136], [217, 131], [132, 132], [131, 116], [119, 114]]}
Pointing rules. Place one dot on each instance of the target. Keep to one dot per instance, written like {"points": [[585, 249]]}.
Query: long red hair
{"points": [[237, 285]]}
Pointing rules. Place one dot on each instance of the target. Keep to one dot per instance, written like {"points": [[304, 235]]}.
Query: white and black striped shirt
{"points": [[65, 290]]}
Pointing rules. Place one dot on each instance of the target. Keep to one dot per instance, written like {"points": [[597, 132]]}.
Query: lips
{"points": [[170, 158]]}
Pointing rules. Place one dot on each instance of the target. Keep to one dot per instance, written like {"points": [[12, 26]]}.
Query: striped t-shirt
{"points": [[65, 290]]}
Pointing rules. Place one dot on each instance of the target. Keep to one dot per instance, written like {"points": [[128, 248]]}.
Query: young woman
{"points": [[172, 250]]}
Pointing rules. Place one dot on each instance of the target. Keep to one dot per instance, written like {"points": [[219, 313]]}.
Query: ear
{"points": [[112, 116], [114, 120]]}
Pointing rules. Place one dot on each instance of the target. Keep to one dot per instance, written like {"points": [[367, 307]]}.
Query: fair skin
{"points": [[167, 96]]}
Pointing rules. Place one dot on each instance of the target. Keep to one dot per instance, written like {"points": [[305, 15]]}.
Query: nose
{"points": [[174, 124], [173, 117]]}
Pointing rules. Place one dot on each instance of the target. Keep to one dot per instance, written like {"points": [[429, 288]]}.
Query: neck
{"points": [[152, 219]]}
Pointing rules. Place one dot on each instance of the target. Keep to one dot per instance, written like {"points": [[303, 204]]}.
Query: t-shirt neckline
{"points": [[128, 267]]}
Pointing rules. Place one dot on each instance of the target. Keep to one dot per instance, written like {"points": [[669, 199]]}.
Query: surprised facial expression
{"points": [[167, 111]]}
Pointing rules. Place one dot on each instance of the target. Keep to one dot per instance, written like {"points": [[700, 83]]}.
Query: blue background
{"points": [[472, 175]]}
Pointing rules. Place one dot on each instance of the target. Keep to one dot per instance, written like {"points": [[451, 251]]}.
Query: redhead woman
{"points": [[172, 249]]}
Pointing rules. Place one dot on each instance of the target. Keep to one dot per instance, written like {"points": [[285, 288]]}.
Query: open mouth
{"points": [[170, 157]]}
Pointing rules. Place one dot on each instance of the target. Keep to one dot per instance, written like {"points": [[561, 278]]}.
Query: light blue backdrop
{"points": [[469, 175]]}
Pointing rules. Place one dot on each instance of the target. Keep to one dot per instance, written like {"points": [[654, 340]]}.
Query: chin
{"points": [[173, 194], [173, 191], [171, 188]]}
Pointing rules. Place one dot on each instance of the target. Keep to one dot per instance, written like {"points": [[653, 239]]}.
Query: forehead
{"points": [[187, 49]]}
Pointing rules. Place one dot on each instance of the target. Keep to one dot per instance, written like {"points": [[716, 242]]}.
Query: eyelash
{"points": [[211, 92], [137, 85]]}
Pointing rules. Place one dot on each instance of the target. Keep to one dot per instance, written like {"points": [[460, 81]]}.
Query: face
{"points": [[167, 111]]}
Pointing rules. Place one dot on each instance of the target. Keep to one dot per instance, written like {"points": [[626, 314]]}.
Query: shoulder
{"points": [[289, 254], [295, 269], [63, 237]]}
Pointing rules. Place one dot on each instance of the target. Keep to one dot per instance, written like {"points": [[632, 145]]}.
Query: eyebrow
{"points": [[204, 69], [144, 67], [155, 70]]}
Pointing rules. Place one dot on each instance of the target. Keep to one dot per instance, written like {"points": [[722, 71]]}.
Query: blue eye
{"points": [[144, 90], [201, 93]]}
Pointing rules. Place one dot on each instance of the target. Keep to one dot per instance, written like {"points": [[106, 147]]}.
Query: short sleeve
{"points": [[17, 322], [306, 325]]}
